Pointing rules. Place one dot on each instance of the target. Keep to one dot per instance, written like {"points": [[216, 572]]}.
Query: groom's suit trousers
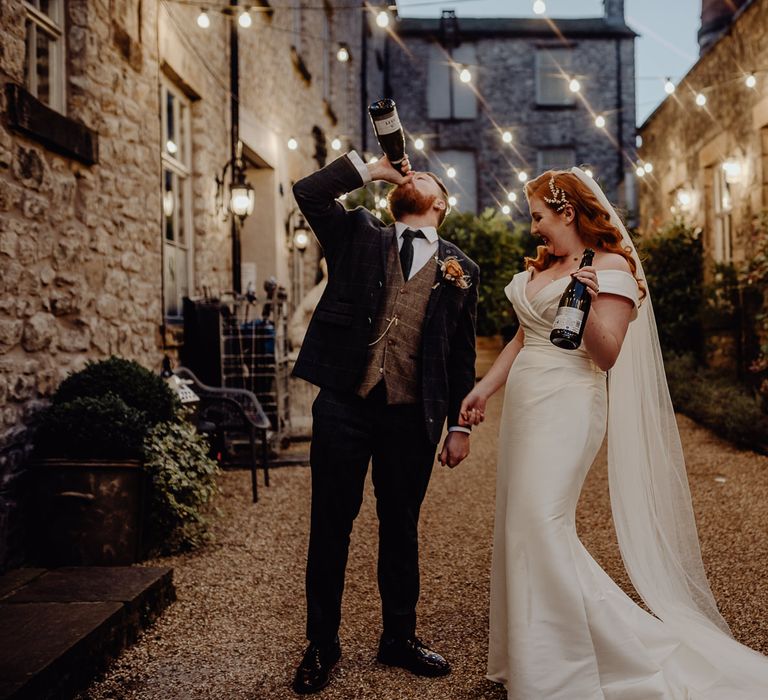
{"points": [[349, 431]]}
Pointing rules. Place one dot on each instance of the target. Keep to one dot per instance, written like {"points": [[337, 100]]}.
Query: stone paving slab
{"points": [[91, 583], [17, 578], [59, 628]]}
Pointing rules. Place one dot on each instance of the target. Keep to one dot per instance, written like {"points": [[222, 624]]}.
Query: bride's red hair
{"points": [[593, 222]]}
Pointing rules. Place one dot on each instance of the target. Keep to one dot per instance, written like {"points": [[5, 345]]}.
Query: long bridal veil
{"points": [[652, 509]]}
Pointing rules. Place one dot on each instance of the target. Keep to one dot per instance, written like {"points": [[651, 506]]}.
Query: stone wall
{"points": [[688, 145], [505, 77], [81, 245], [685, 142]]}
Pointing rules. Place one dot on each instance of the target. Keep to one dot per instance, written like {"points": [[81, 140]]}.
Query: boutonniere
{"points": [[453, 272]]}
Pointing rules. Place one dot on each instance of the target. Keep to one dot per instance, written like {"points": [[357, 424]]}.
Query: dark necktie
{"points": [[406, 252]]}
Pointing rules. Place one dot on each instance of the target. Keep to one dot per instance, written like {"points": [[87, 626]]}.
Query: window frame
{"points": [[439, 61], [541, 101], [180, 169], [541, 166], [722, 216], [52, 24]]}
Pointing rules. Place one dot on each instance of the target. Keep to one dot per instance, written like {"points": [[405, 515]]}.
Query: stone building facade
{"points": [[710, 160], [115, 124], [520, 74]]}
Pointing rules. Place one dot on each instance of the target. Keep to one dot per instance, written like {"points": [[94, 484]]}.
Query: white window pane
{"points": [[464, 185], [438, 84], [552, 70], [169, 282], [182, 276], [556, 159], [464, 97]]}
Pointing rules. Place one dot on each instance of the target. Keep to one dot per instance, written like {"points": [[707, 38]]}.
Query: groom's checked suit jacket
{"points": [[356, 245]]}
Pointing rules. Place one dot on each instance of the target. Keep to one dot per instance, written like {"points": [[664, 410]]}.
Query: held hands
{"points": [[382, 169], [588, 275], [455, 449], [472, 411]]}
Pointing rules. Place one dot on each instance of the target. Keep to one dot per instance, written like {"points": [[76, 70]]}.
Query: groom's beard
{"points": [[408, 200]]}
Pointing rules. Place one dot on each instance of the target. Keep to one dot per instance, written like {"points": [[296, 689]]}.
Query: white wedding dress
{"points": [[560, 628]]}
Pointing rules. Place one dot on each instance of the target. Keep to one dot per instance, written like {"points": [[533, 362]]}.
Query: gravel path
{"points": [[237, 629]]}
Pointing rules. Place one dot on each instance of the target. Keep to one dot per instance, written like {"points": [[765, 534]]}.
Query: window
{"points": [[464, 185], [553, 67], [177, 199], [44, 52], [447, 96], [721, 199], [555, 159]]}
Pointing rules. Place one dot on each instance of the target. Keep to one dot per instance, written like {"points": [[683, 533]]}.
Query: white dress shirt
{"points": [[423, 248]]}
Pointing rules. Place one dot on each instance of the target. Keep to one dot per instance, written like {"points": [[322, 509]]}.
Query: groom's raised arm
{"points": [[463, 352], [317, 196]]}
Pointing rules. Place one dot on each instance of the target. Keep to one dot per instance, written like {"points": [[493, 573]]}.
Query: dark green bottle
{"points": [[572, 312]]}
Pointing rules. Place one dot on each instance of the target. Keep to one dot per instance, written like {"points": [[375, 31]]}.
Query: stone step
{"points": [[60, 627]]}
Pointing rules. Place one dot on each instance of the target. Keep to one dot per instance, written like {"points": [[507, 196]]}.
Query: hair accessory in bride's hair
{"points": [[558, 196]]}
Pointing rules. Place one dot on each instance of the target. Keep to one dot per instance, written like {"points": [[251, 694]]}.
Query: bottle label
{"points": [[568, 319], [387, 125]]}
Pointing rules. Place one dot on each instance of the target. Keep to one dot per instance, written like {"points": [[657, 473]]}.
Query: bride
{"points": [[560, 628]]}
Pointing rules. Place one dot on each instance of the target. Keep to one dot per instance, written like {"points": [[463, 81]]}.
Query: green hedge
{"points": [[717, 401], [673, 264]]}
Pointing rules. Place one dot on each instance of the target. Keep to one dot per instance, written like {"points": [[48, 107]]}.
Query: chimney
{"points": [[614, 11], [716, 16]]}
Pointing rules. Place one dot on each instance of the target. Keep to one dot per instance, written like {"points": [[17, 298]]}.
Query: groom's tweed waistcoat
{"points": [[395, 357]]}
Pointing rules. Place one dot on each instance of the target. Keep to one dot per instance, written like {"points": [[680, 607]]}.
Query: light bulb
{"points": [[599, 121], [171, 147], [342, 54], [336, 144], [669, 87], [574, 85], [701, 99], [640, 171], [382, 19], [507, 137], [452, 201], [512, 197], [203, 20], [539, 7], [465, 76], [522, 176], [750, 80], [418, 144], [450, 171], [505, 209], [648, 167], [244, 20], [293, 144], [382, 203]]}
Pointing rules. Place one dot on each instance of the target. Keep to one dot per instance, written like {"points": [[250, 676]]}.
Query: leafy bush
{"points": [[673, 264], [100, 427], [183, 483], [718, 402], [498, 248], [136, 386]]}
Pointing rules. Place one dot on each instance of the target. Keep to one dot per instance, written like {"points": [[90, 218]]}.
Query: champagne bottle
{"points": [[572, 312], [389, 132]]}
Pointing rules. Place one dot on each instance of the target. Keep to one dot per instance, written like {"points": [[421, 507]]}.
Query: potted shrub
{"points": [[115, 455]]}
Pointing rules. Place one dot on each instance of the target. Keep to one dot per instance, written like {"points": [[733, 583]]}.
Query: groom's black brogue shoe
{"points": [[314, 671], [411, 654]]}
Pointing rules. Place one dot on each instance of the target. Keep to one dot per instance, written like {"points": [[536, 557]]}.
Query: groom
{"points": [[392, 347]]}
